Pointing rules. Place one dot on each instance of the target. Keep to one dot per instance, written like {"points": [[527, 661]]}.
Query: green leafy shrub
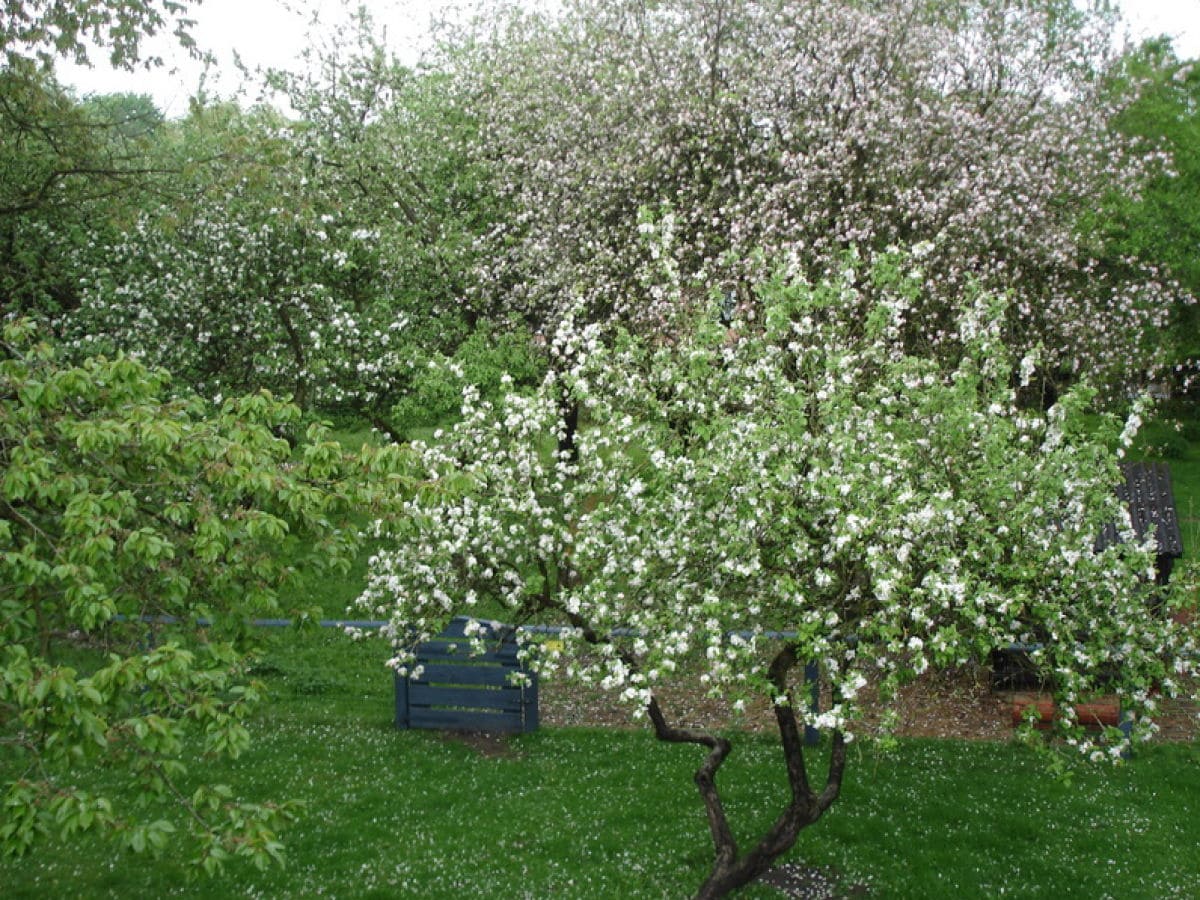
{"points": [[491, 360], [138, 533]]}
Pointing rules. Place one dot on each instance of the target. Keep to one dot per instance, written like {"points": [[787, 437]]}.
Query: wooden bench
{"points": [[458, 691]]}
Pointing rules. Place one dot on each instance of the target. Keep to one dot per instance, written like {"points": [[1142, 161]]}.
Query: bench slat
{"points": [[464, 720], [457, 629], [507, 699], [444, 673], [461, 650]]}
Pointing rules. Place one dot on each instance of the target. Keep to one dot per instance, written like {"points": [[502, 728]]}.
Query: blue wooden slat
{"points": [[401, 702], [442, 650], [531, 703], [435, 673], [490, 632], [464, 720], [424, 695]]}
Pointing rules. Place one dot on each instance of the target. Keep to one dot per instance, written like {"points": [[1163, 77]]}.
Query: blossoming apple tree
{"points": [[1160, 223], [239, 294], [741, 501], [804, 128], [324, 255]]}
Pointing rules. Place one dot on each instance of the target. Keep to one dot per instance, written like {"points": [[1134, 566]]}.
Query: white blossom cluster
{"points": [[237, 299], [323, 256], [810, 476]]}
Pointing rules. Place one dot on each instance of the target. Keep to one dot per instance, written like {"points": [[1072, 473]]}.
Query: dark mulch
{"points": [[956, 704], [486, 743]]}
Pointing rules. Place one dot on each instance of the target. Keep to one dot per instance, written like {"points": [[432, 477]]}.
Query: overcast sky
{"points": [[273, 33]]}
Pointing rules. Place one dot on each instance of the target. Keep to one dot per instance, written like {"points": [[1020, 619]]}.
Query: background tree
{"points": [[1161, 224], [138, 534], [68, 171], [131, 116], [378, 139], [72, 177], [387, 147], [791, 129], [40, 31], [237, 283], [804, 490], [326, 256]]}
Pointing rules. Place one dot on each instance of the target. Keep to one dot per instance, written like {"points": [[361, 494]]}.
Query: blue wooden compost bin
{"points": [[458, 691]]}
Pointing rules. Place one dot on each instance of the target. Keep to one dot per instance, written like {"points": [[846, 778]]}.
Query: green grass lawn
{"points": [[591, 813], [581, 813]]}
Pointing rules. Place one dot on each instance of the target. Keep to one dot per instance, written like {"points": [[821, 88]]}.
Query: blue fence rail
{"points": [[458, 691]]}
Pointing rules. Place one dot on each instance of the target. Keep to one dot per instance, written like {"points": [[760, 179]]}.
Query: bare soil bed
{"points": [[958, 704]]}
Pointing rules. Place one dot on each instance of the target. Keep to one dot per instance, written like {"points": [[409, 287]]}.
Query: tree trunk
{"points": [[299, 357], [382, 425], [731, 869], [568, 408]]}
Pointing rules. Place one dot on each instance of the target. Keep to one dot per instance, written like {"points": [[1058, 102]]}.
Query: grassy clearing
{"points": [[598, 814], [577, 813]]}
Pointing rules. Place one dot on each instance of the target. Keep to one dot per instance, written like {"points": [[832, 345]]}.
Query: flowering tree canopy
{"points": [[802, 488], [247, 279], [799, 129], [347, 254], [37, 31], [325, 256], [1160, 224], [138, 533]]}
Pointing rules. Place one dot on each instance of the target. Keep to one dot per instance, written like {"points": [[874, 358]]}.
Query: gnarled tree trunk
{"points": [[733, 869]]}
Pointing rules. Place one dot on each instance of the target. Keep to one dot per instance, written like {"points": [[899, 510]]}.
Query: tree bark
{"points": [[731, 869], [384, 426], [569, 410], [299, 357]]}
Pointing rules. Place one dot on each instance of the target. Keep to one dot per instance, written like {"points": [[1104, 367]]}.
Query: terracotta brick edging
{"points": [[1104, 712]]}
